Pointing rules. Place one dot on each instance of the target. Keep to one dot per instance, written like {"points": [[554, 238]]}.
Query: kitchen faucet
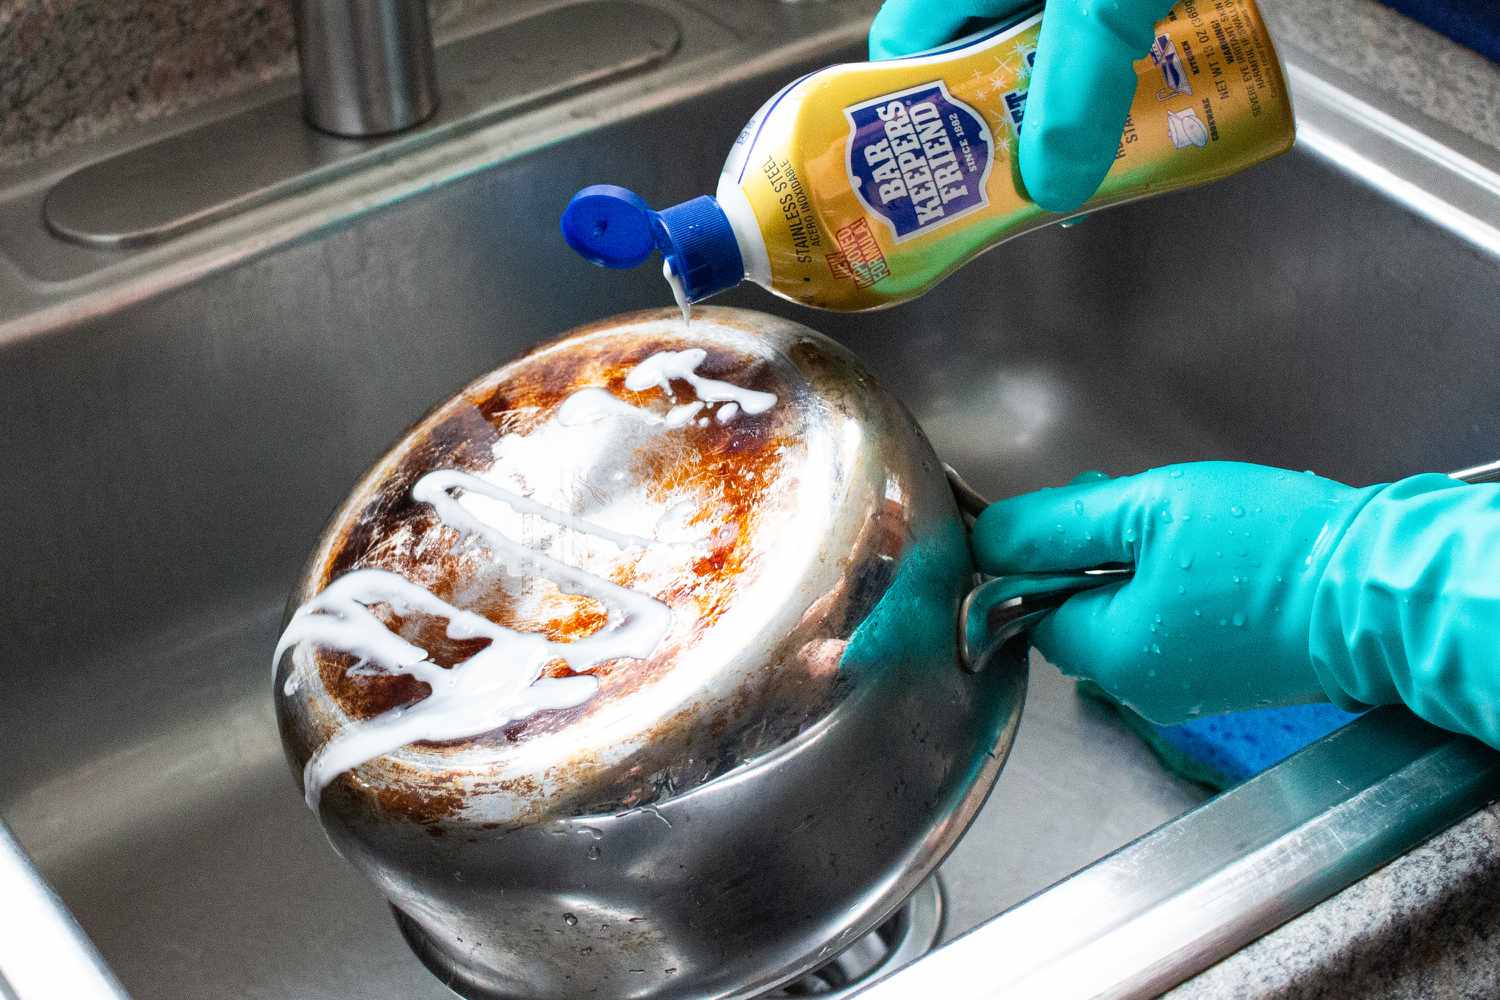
{"points": [[367, 65]]}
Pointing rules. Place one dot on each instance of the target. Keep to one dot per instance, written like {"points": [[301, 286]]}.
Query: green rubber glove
{"points": [[1081, 85], [1256, 586]]}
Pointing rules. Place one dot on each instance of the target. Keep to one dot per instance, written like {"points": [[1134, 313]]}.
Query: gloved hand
{"points": [[1256, 586], [1081, 85]]}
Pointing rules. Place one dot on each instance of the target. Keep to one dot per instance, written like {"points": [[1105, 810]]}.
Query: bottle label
{"points": [[918, 158], [854, 173]]}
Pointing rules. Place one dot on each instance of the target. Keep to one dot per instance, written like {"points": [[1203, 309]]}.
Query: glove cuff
{"points": [[1355, 640]]}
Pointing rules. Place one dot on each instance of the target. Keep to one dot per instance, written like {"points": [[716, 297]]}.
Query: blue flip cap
{"points": [[614, 227]]}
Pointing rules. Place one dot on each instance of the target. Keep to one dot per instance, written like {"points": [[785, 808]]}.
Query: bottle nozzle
{"points": [[614, 227]]}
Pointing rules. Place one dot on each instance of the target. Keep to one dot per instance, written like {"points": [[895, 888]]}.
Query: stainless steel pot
{"points": [[790, 743]]}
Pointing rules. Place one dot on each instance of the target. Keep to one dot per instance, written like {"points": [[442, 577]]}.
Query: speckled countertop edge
{"points": [[1396, 55], [1426, 925], [72, 71]]}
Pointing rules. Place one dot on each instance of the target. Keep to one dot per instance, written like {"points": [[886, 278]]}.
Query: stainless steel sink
{"points": [[178, 420]]}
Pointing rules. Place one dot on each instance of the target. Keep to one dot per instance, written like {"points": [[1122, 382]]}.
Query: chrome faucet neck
{"points": [[367, 65]]}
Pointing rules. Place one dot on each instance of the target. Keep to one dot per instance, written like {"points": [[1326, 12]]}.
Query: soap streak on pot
{"points": [[502, 682], [499, 684], [647, 618], [660, 368], [593, 404], [587, 406]]}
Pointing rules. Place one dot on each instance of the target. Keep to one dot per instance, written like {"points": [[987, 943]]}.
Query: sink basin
{"points": [[180, 420]]}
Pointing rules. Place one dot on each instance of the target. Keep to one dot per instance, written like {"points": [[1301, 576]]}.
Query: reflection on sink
{"points": [[169, 461]]}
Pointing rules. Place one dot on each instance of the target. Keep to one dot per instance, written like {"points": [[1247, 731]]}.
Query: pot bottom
{"points": [[908, 934]]}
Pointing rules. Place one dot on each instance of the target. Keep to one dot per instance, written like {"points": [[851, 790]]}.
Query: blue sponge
{"points": [[1224, 750]]}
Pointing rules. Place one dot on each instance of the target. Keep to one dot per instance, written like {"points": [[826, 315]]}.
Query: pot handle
{"points": [[996, 615], [971, 503]]}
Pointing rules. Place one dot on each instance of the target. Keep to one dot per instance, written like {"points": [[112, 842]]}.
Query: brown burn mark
{"points": [[713, 563], [729, 474], [565, 617], [560, 668], [527, 393], [430, 632], [725, 469], [424, 805], [382, 790], [457, 439], [519, 397], [363, 696]]}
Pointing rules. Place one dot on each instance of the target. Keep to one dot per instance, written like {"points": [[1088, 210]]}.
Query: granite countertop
{"points": [[1426, 925], [72, 69], [1419, 927], [1398, 56], [75, 70]]}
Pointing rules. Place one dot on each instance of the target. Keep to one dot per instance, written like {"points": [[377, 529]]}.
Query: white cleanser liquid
{"points": [[679, 290], [503, 682]]}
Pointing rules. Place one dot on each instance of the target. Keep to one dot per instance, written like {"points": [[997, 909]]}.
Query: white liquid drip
{"points": [[589, 406], [435, 484], [660, 368], [499, 684], [680, 414], [679, 290], [502, 682], [647, 618]]}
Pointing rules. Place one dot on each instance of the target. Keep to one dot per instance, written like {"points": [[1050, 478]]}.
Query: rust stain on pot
{"points": [[727, 472], [385, 789]]}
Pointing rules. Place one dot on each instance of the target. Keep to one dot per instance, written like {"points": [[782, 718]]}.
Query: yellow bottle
{"points": [[865, 184]]}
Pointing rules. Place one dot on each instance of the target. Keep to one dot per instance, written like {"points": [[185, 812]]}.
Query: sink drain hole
{"points": [[908, 934]]}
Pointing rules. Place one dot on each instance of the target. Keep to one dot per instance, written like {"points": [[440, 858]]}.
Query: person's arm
{"points": [[1408, 609], [1256, 586], [1081, 85]]}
